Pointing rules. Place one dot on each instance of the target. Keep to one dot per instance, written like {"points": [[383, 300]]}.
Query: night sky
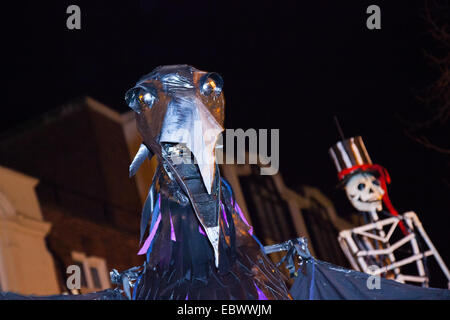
{"points": [[290, 65]]}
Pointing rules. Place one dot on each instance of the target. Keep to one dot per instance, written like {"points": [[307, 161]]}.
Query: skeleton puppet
{"points": [[199, 244], [372, 248]]}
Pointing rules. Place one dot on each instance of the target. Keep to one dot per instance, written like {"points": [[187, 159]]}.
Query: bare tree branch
{"points": [[436, 97]]}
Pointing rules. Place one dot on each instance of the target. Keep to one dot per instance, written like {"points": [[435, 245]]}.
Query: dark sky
{"points": [[290, 65]]}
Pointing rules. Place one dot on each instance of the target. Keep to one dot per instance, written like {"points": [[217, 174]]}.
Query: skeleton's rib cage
{"points": [[357, 244]]}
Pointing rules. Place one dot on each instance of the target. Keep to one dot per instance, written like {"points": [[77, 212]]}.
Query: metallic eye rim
{"points": [[140, 98], [211, 84]]}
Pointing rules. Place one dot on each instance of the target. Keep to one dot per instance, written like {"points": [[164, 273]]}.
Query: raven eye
{"points": [[361, 186], [146, 99], [208, 87], [139, 98], [211, 84]]}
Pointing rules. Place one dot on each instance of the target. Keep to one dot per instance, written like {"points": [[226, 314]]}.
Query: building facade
{"points": [[78, 157]]}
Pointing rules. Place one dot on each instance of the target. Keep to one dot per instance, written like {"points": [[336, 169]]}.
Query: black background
{"points": [[290, 65]]}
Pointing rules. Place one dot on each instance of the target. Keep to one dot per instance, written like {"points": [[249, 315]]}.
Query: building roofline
{"points": [[32, 181], [64, 110], [99, 107]]}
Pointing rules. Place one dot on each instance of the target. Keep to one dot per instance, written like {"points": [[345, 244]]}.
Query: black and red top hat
{"points": [[350, 156]]}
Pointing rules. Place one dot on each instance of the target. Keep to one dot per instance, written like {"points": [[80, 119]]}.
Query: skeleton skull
{"points": [[364, 192]]}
